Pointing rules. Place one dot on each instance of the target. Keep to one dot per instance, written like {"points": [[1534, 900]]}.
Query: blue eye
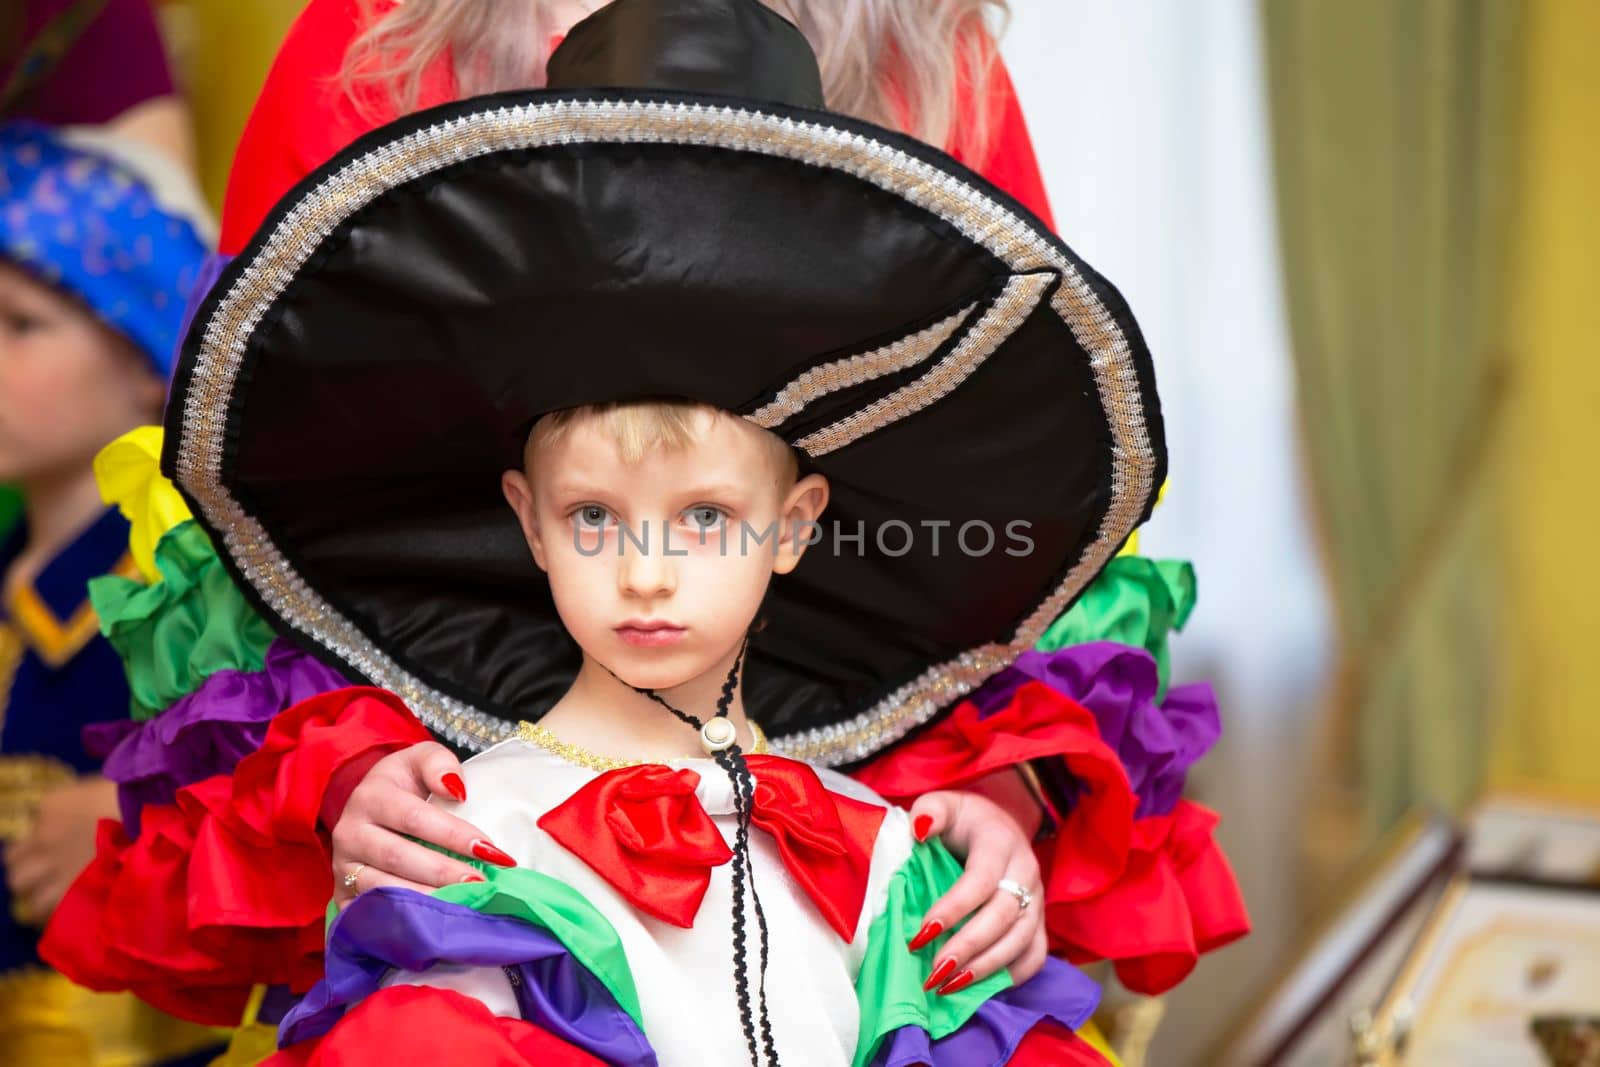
{"points": [[705, 517], [591, 517]]}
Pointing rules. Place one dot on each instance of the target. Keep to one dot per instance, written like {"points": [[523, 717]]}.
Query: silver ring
{"points": [[350, 879], [1024, 898]]}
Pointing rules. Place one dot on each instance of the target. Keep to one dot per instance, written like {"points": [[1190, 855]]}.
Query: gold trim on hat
{"points": [[998, 323], [830, 377], [1015, 242]]}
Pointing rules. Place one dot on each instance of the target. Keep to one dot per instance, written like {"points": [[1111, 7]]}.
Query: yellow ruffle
{"points": [[1130, 547], [1090, 1033], [129, 473], [46, 1021]]}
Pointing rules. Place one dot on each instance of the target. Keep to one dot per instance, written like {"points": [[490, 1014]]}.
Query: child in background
{"points": [[100, 243]]}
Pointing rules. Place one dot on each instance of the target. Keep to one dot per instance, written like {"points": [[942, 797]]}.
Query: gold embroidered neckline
{"points": [[534, 734]]}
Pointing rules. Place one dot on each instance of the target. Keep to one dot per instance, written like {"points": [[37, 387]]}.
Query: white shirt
{"points": [[685, 977]]}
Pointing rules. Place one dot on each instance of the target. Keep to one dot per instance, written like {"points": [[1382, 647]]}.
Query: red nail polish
{"points": [[455, 786], [930, 930], [956, 984], [489, 854], [941, 972], [920, 827], [473, 877]]}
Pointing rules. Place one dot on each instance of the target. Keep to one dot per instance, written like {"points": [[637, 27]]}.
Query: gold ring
{"points": [[350, 879]]}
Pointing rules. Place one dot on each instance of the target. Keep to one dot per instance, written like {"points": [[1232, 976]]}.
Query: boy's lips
{"points": [[650, 633]]}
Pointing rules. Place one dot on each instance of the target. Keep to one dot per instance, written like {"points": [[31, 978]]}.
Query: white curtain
{"points": [[1151, 127]]}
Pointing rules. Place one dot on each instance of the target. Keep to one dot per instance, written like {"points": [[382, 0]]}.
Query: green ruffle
{"points": [[1135, 601], [176, 633], [889, 987]]}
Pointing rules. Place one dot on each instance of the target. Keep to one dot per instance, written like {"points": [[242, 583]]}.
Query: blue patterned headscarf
{"points": [[113, 228]]}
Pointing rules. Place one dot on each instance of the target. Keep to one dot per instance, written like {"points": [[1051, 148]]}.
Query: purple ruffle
{"points": [[1157, 742], [207, 732], [389, 928], [1060, 992]]}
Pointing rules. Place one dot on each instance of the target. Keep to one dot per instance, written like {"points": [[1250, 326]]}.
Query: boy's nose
{"points": [[646, 571]]}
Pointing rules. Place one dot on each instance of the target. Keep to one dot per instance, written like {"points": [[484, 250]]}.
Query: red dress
{"points": [[283, 142]]}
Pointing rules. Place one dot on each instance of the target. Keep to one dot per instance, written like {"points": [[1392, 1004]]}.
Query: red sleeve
{"points": [[416, 1024], [303, 116], [1151, 894], [1009, 160], [227, 887], [1038, 724]]}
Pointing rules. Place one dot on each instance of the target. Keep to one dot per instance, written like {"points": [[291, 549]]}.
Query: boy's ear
{"points": [[802, 507], [519, 494]]}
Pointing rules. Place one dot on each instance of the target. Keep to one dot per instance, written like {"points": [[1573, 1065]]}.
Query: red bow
{"points": [[643, 830]]}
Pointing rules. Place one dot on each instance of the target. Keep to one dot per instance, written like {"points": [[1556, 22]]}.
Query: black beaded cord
{"points": [[732, 761]]}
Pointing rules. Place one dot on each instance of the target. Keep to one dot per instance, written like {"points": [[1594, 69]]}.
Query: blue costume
{"points": [[86, 217]]}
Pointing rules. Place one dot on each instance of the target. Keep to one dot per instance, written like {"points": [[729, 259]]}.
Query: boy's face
{"points": [[655, 566], [68, 383]]}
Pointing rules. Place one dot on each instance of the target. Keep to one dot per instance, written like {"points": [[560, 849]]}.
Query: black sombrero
{"points": [[362, 373]]}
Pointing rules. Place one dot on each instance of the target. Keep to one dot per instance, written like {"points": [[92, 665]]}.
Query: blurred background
{"points": [[1361, 237]]}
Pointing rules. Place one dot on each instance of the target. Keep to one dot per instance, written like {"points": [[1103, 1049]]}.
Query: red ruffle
{"points": [[1177, 899], [1150, 894], [1039, 723], [418, 1024], [229, 886], [1049, 1045]]}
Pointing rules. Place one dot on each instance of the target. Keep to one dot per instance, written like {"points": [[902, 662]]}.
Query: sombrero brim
{"points": [[357, 380]]}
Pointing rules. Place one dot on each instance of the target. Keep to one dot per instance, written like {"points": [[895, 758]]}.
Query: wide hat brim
{"points": [[366, 368]]}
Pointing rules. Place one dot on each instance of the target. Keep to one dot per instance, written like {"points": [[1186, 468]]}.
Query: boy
{"points": [[612, 797]]}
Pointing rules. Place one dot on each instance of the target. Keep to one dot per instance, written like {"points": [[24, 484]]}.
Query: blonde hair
{"points": [[904, 64], [641, 427]]}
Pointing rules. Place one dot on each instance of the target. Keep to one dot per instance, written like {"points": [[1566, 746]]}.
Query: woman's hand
{"points": [[41, 867], [371, 838], [999, 932]]}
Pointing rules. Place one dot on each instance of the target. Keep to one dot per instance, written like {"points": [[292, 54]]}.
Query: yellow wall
{"points": [[223, 49], [1550, 728]]}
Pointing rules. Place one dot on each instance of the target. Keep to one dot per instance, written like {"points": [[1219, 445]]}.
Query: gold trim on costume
{"points": [[24, 780], [10, 660], [1021, 246], [56, 641], [534, 734]]}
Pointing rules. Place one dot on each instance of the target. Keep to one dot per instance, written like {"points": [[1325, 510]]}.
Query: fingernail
{"points": [[489, 854], [930, 930], [920, 827], [940, 972], [473, 877], [956, 984], [455, 786]]}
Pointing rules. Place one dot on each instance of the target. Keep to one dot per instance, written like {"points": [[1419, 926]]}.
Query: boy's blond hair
{"points": [[640, 427]]}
